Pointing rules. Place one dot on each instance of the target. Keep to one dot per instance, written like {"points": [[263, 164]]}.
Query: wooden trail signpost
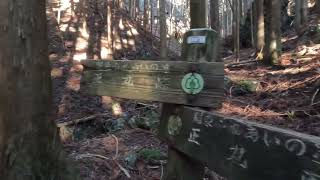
{"points": [[236, 149], [189, 83]]}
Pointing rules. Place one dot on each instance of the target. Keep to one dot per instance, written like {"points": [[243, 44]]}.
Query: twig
{"points": [[117, 147], [230, 91], [231, 65], [126, 172], [314, 96], [88, 155]]}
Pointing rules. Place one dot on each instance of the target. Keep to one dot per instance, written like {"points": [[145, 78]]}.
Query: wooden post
{"points": [[181, 167], [198, 13]]}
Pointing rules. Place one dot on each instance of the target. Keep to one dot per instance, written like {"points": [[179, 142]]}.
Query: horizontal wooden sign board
{"points": [[242, 150], [178, 82]]}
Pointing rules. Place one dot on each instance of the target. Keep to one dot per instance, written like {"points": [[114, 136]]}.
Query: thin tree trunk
{"points": [[214, 15], [163, 30], [253, 24], [259, 25], [298, 6], [272, 50], [301, 14], [137, 9], [236, 28], [304, 18], [30, 147], [146, 15], [132, 8]]}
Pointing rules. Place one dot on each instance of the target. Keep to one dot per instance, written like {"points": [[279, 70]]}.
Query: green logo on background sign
{"points": [[174, 125], [192, 83]]}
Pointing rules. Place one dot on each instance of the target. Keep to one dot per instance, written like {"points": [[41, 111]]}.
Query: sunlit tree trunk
{"points": [[259, 25], [163, 29], [30, 148], [272, 50], [132, 7]]}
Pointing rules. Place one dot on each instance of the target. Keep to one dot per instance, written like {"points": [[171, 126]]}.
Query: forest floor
{"points": [[117, 138]]}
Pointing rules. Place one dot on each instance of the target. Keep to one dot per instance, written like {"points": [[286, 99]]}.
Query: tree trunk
{"points": [[198, 13], [253, 24], [259, 25], [30, 147], [301, 14], [298, 7], [272, 50], [132, 7], [236, 28], [146, 16], [214, 15], [137, 9], [163, 29]]}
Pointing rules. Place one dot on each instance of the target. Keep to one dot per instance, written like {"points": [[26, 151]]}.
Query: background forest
{"points": [[270, 49]]}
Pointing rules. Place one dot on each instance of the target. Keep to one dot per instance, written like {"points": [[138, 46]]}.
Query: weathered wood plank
{"points": [[154, 81], [243, 150], [213, 68]]}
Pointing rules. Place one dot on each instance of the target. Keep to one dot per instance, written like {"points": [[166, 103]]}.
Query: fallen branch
{"points": [[308, 80], [81, 120], [126, 172], [232, 65], [117, 147]]}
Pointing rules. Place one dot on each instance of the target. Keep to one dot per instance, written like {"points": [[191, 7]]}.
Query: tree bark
{"points": [[30, 147], [272, 50], [163, 30]]}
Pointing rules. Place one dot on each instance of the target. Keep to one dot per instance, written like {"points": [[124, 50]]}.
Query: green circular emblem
{"points": [[192, 83], [174, 125]]}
